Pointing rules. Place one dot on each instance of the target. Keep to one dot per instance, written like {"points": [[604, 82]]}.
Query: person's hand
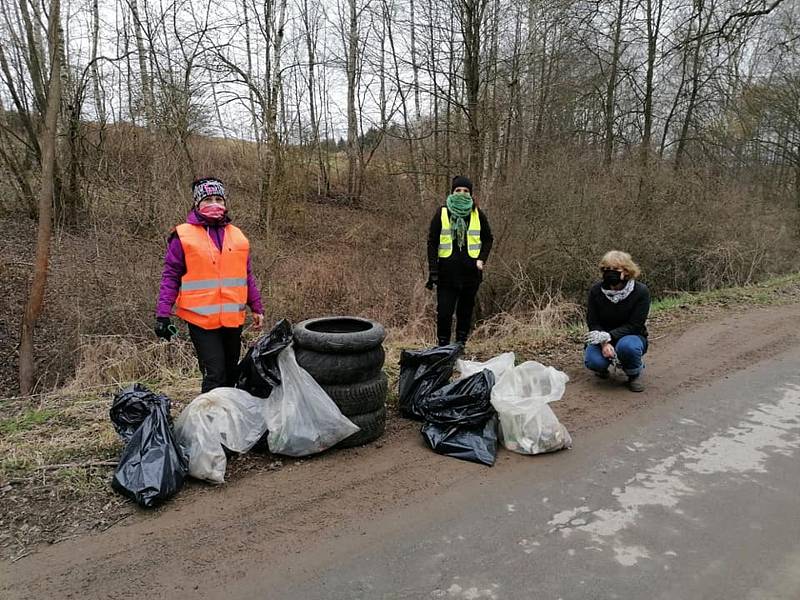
{"points": [[479, 264], [433, 279], [164, 328], [608, 351], [258, 321]]}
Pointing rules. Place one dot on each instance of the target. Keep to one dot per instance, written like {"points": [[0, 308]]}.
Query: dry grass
{"points": [[115, 359]]}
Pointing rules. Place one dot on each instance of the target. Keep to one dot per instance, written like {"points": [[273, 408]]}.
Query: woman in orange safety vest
{"points": [[208, 278]]}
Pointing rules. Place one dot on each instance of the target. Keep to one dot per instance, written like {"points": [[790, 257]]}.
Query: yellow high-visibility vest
{"points": [[473, 235]]}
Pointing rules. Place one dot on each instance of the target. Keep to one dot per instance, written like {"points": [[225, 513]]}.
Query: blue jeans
{"points": [[630, 349]]}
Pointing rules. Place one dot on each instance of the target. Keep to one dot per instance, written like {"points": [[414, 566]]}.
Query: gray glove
{"points": [[597, 337]]}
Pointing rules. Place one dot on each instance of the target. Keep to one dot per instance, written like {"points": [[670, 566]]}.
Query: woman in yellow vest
{"points": [[459, 242], [208, 277]]}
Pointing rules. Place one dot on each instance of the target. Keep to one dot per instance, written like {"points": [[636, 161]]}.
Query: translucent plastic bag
{"points": [[497, 365], [301, 418], [226, 417], [521, 397]]}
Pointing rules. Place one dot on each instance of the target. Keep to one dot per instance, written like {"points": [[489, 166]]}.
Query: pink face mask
{"points": [[213, 212]]}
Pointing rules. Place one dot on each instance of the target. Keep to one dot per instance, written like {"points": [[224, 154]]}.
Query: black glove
{"points": [[433, 279], [164, 328]]}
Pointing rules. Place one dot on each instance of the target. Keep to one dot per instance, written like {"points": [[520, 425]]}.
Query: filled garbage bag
{"points": [[521, 396], [477, 443], [301, 417], [132, 405], [221, 418], [464, 402], [422, 372], [153, 466], [258, 370], [497, 365]]}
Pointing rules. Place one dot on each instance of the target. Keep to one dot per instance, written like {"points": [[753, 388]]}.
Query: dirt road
{"points": [[286, 523]]}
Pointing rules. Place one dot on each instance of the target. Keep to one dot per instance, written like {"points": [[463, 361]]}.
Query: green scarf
{"points": [[460, 207]]}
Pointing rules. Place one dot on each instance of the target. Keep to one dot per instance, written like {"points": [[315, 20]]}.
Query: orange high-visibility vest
{"points": [[213, 291]]}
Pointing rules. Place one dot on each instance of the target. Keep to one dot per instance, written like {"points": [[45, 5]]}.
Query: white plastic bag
{"points": [[497, 365], [521, 397], [222, 417], [301, 418]]}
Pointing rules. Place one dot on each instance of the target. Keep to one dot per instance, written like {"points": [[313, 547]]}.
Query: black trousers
{"points": [[218, 355], [458, 299]]}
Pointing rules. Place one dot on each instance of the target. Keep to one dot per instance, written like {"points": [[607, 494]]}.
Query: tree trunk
{"points": [[147, 90], [471, 20], [354, 174], [414, 63], [611, 86], [415, 174], [695, 86], [35, 301], [99, 102], [434, 80], [653, 31], [275, 151], [323, 187]]}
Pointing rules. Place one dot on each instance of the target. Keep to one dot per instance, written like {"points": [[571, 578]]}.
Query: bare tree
{"points": [[35, 301]]}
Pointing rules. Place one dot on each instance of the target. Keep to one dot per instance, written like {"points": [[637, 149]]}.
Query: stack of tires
{"points": [[345, 356]]}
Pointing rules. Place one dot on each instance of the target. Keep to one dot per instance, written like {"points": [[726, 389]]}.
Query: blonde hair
{"points": [[616, 259]]}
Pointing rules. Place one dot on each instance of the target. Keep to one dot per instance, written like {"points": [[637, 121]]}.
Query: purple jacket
{"points": [[175, 268]]}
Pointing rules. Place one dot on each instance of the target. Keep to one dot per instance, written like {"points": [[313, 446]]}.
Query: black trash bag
{"points": [[153, 465], [132, 405], [477, 443], [422, 372], [465, 402], [258, 370]]}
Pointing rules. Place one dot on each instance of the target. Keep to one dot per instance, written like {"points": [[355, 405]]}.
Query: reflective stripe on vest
{"points": [[205, 284], [212, 309], [473, 235], [213, 291]]}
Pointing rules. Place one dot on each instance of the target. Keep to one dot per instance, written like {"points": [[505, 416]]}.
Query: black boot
{"points": [[635, 383]]}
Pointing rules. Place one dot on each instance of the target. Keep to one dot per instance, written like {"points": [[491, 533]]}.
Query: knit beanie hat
{"points": [[460, 181], [205, 187]]}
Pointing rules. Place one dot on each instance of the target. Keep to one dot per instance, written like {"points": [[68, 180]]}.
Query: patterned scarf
{"points": [[460, 207], [617, 296]]}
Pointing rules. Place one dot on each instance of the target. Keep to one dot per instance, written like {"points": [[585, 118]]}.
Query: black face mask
{"points": [[611, 278]]}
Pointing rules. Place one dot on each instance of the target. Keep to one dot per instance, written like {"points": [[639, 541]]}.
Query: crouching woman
{"points": [[616, 314]]}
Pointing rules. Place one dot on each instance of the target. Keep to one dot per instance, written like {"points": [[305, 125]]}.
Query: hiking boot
{"points": [[635, 384], [604, 374]]}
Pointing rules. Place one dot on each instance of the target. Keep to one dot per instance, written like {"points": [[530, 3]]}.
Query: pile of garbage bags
{"points": [[274, 397], [489, 401]]}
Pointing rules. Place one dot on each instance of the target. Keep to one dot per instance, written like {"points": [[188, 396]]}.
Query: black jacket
{"points": [[458, 268], [627, 317]]}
